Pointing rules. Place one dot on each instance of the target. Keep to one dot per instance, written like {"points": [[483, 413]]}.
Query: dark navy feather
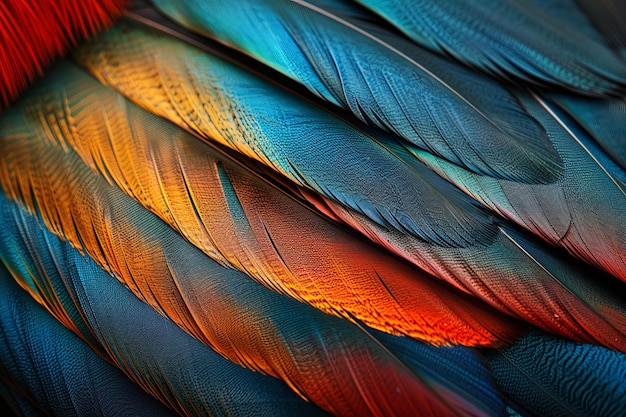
{"points": [[547, 376]]}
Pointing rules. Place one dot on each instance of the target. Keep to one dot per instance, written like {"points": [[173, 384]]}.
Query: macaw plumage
{"points": [[313, 207]]}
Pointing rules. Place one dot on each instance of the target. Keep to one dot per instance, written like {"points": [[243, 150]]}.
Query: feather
{"points": [[32, 34], [547, 376], [212, 200], [551, 291], [304, 143], [183, 373], [588, 218], [439, 106], [355, 174], [476, 268], [607, 17], [48, 365], [109, 306], [335, 364], [508, 38], [15, 405], [603, 119]]}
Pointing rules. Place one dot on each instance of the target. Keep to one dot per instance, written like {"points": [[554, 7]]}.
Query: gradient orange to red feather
{"points": [[34, 33]]}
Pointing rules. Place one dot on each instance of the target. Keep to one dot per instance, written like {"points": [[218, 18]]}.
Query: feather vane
{"points": [[433, 103], [510, 39], [168, 273]]}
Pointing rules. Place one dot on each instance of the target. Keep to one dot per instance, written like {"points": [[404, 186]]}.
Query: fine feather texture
{"points": [[33, 34], [498, 269], [56, 373], [550, 290], [508, 38], [183, 373], [111, 310], [334, 363], [603, 119], [211, 200], [437, 105], [311, 147], [588, 218], [495, 178], [546, 376]]}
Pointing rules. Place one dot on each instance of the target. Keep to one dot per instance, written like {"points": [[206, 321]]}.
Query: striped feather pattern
{"points": [[591, 315], [169, 274], [288, 207], [389, 82]]}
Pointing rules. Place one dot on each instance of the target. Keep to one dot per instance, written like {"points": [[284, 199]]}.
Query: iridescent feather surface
{"points": [[313, 207]]}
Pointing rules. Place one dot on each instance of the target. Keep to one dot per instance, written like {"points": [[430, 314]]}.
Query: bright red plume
{"points": [[33, 33]]}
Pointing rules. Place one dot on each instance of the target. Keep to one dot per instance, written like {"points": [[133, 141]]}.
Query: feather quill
{"points": [[213, 200], [54, 371], [510, 38], [437, 105], [603, 119], [498, 270], [551, 291], [359, 377], [114, 312]]}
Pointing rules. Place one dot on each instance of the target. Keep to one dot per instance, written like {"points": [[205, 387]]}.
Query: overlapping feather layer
{"points": [[247, 228], [456, 240]]}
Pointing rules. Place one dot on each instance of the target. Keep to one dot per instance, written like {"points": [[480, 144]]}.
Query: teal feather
{"points": [[547, 376], [51, 367], [475, 268], [505, 178], [607, 17], [383, 80], [603, 119], [515, 39], [113, 313]]}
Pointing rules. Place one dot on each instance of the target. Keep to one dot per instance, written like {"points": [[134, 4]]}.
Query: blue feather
{"points": [[484, 150], [187, 375], [306, 144], [547, 376], [586, 217], [604, 120], [475, 267], [508, 38], [437, 105], [56, 370], [317, 354]]}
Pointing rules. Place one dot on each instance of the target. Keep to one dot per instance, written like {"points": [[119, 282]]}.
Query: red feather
{"points": [[34, 33]]}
